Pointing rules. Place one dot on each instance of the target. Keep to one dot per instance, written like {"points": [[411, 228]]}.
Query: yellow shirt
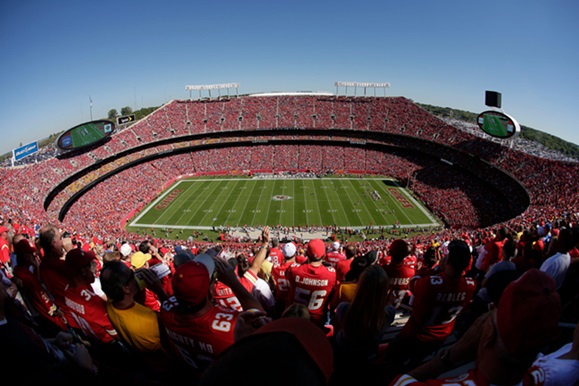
{"points": [[137, 325]]}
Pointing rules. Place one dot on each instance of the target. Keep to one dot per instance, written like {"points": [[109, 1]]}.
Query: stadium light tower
{"points": [[209, 87], [363, 85]]}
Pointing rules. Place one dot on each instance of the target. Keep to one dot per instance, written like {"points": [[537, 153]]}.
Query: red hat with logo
{"points": [[316, 249], [192, 279]]}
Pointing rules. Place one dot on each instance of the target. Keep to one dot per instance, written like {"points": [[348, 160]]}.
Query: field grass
{"points": [[208, 203]]}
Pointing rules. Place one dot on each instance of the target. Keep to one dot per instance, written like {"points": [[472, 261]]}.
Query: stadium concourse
{"points": [[485, 192]]}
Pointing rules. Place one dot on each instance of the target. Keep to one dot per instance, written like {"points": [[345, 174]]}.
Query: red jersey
{"points": [[275, 256], [312, 287], [35, 293], [52, 272], [437, 302], [4, 251], [333, 257], [90, 312], [411, 261], [224, 295], [198, 339], [399, 279], [282, 286]]}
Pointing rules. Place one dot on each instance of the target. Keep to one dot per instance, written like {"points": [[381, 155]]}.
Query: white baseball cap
{"points": [[288, 250], [336, 245], [126, 249]]}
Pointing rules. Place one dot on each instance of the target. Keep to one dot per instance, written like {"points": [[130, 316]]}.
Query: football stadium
{"points": [[209, 174]]}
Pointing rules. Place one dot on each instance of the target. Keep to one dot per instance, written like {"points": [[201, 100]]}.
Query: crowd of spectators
{"points": [[473, 211]]}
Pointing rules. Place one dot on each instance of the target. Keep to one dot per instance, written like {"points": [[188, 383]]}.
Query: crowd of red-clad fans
{"points": [[486, 300]]}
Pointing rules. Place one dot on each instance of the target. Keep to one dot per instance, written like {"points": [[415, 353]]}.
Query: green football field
{"points": [[204, 203]]}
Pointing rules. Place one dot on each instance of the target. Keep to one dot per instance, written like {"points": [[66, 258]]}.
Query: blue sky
{"points": [[57, 54]]}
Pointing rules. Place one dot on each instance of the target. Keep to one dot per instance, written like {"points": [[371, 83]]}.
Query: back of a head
{"points": [[373, 281], [398, 250], [510, 248], [359, 264], [458, 255], [351, 251], [114, 276], [46, 236], [567, 240]]}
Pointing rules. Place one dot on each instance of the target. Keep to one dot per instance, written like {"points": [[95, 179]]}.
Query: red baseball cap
{"points": [[76, 258], [24, 246], [529, 312], [192, 279], [316, 249]]}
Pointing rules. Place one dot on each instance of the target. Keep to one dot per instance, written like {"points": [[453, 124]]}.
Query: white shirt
{"points": [[556, 266]]}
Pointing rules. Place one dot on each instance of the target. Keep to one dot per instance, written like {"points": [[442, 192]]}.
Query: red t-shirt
{"points": [[198, 339], [312, 287]]}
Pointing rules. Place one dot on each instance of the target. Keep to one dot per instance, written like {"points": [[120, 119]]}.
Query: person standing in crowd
{"points": [[5, 251], [503, 343], [312, 283], [275, 254], [198, 329], [334, 255], [558, 264], [248, 276], [52, 268], [50, 318], [437, 301], [359, 327], [398, 272], [137, 325], [88, 309], [343, 266], [282, 286], [345, 290]]}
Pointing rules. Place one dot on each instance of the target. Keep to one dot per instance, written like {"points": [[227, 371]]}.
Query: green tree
{"points": [[113, 113], [126, 110]]}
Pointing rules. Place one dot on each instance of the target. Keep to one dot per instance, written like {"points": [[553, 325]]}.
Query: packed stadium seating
{"points": [[290, 132]]}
